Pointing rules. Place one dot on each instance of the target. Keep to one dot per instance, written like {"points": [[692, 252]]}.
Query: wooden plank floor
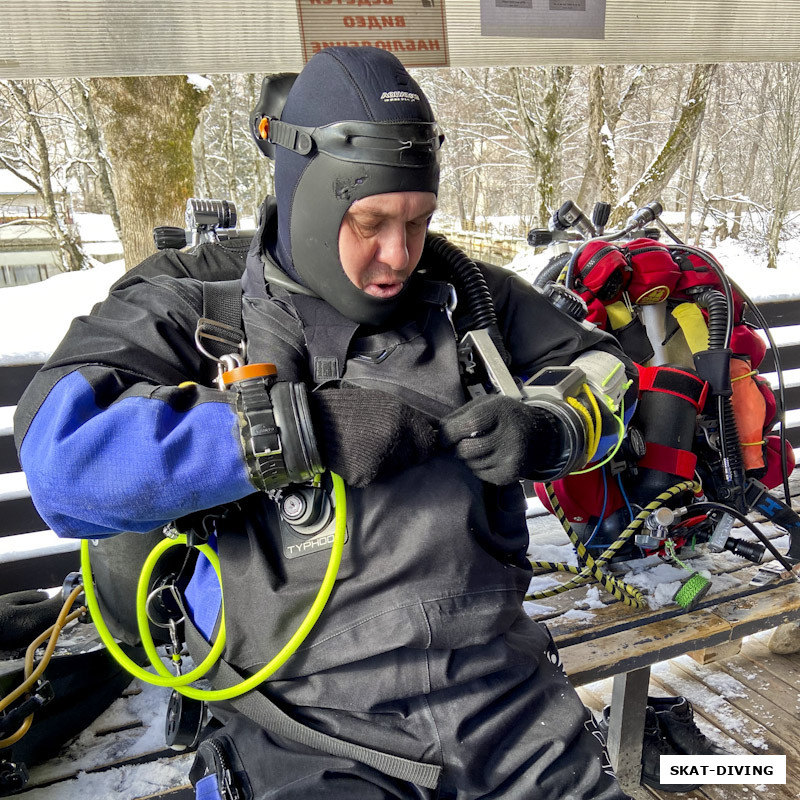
{"points": [[748, 703], [121, 755]]}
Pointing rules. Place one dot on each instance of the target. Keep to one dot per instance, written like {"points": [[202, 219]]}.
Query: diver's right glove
{"points": [[366, 434], [502, 439]]}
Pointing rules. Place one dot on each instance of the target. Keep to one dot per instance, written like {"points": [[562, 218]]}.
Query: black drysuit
{"points": [[423, 650]]}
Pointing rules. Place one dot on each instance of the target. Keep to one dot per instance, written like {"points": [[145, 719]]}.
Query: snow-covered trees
{"points": [[719, 143], [35, 146]]}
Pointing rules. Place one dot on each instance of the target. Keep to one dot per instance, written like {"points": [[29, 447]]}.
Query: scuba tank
{"points": [[704, 416]]}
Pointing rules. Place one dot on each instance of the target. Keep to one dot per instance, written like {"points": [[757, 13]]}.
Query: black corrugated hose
{"points": [[469, 281]]}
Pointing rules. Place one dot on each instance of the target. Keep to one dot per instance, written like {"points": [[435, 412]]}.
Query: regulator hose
{"points": [[719, 317], [552, 270], [33, 673], [469, 280], [165, 677], [729, 438], [708, 505], [725, 282], [714, 301], [569, 271]]}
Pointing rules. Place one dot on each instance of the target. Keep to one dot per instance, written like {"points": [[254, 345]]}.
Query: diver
{"points": [[423, 676]]}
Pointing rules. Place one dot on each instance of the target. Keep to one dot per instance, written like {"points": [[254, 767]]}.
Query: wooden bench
{"points": [[619, 642]]}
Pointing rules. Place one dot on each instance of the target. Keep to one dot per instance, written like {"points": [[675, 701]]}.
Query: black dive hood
{"points": [[332, 165]]}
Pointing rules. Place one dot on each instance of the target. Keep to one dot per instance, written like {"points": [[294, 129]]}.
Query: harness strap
{"points": [[436, 293], [220, 327], [677, 382], [259, 708], [669, 459], [328, 334]]}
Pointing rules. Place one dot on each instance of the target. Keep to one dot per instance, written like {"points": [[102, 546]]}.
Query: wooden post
{"points": [[626, 725]]}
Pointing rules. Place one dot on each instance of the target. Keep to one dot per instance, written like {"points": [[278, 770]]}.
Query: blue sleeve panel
{"points": [[203, 595], [131, 466]]}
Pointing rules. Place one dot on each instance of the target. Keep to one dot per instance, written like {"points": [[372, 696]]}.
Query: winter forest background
{"points": [[721, 141]]}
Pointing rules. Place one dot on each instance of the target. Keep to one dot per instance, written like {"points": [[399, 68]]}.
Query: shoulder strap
{"points": [[327, 336], [259, 708], [220, 326]]}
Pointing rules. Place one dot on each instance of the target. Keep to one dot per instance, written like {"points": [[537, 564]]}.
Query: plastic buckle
{"points": [[40, 697], [769, 573], [44, 692], [72, 580]]}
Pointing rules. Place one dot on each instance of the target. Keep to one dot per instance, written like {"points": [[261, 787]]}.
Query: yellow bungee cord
{"points": [[592, 569]]}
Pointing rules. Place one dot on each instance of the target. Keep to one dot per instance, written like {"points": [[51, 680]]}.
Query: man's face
{"points": [[381, 239]]}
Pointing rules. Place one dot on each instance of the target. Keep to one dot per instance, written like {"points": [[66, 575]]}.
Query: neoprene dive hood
{"points": [[354, 124]]}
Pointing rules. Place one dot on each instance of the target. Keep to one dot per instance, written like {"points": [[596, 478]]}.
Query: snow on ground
{"points": [[92, 749], [35, 317], [120, 783], [733, 719]]}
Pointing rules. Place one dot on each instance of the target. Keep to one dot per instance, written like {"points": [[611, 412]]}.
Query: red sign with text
{"points": [[414, 30]]}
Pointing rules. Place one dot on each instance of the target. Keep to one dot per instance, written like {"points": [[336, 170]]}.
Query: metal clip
{"points": [[769, 573], [175, 647], [170, 531], [215, 331], [156, 595], [452, 303], [626, 298], [225, 364]]}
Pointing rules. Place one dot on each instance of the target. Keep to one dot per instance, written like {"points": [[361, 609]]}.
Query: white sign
{"points": [[414, 30], [722, 769], [544, 19]]}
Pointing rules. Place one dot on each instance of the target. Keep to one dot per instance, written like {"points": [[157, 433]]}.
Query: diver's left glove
{"points": [[365, 434]]}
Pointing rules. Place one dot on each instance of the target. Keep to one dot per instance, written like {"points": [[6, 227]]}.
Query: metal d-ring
{"points": [[201, 332], [156, 594]]}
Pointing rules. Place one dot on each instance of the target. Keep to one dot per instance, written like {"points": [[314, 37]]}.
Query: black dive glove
{"points": [[366, 434], [503, 440]]}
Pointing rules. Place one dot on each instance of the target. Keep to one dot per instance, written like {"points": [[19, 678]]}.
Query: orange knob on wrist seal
{"points": [[247, 372]]}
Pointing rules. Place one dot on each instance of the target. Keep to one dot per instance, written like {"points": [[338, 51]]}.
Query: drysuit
{"points": [[423, 651]]}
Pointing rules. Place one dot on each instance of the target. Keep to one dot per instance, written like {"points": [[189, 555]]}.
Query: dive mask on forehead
{"points": [[402, 144]]}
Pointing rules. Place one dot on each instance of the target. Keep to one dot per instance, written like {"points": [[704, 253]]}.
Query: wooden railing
{"points": [[488, 246], [24, 566]]}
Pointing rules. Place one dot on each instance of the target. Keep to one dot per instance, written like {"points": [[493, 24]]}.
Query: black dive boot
{"points": [[654, 746], [676, 717]]}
